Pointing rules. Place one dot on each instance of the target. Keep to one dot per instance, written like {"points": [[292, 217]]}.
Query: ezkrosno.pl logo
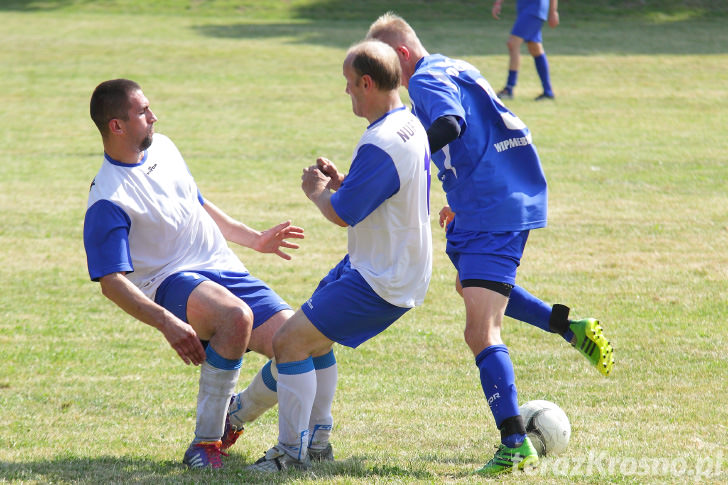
{"points": [[710, 465]]}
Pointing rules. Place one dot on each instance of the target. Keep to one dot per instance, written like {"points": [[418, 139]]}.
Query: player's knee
{"points": [[279, 344], [239, 322]]}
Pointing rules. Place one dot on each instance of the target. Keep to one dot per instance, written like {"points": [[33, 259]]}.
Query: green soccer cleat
{"points": [[590, 341], [511, 459]]}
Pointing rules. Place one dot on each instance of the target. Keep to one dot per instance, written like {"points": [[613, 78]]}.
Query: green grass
{"points": [[251, 92]]}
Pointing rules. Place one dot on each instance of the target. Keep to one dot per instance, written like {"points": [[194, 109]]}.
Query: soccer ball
{"points": [[547, 425]]}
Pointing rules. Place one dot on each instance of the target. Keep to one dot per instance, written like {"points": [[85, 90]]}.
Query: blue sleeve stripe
{"points": [[297, 367], [324, 361], [220, 362], [106, 239], [268, 379], [373, 178]]}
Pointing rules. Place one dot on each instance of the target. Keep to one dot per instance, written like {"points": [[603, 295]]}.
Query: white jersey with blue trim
{"points": [[385, 201], [148, 220]]}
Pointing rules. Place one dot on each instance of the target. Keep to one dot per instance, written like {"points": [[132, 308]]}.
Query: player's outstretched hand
{"points": [[328, 168], [183, 339], [273, 239], [496, 9], [446, 216]]}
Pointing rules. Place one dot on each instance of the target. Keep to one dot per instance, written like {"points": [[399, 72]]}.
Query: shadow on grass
{"points": [[466, 38], [117, 470]]}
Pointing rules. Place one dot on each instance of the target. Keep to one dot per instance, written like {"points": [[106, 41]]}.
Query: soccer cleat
{"points": [[205, 454], [505, 93], [590, 341], [543, 96], [327, 454], [230, 434], [276, 460], [511, 459]]}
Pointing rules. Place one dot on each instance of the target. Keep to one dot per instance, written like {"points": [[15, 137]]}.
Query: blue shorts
{"points": [[175, 290], [490, 256], [528, 28], [345, 308]]}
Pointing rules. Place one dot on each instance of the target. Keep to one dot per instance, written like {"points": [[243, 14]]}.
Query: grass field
{"points": [[636, 156]]}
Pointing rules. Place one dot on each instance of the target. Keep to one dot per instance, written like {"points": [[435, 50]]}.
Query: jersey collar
{"points": [[122, 164]]}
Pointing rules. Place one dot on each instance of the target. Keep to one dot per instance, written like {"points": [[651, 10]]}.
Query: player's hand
{"points": [[273, 239], [183, 339], [446, 216], [313, 181], [329, 169], [553, 18], [496, 10]]}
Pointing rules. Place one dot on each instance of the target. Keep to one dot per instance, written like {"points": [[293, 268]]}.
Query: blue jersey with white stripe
{"points": [[491, 174]]}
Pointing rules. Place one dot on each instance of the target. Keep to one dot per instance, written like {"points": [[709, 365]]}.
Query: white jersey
{"points": [[148, 220], [385, 201]]}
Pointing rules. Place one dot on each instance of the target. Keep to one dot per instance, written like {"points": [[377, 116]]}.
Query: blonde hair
{"points": [[393, 29]]}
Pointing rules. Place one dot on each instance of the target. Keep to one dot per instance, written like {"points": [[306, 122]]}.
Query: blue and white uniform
{"points": [[148, 221], [385, 201]]}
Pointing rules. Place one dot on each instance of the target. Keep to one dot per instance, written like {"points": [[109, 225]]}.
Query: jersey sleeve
{"points": [[434, 95], [106, 239], [373, 178]]}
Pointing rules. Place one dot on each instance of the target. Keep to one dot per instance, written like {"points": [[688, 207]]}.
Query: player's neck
{"points": [[124, 155]]}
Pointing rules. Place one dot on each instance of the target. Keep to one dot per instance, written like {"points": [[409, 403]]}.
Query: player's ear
{"points": [[115, 126], [403, 52]]}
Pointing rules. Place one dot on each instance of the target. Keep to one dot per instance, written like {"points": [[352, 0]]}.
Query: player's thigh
{"points": [[211, 308], [298, 339], [261, 339]]}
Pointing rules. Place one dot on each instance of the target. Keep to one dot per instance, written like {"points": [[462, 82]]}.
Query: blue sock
{"points": [[527, 308], [499, 385], [512, 79], [542, 66]]}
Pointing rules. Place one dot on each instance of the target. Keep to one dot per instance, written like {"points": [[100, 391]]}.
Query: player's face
{"points": [[354, 89], [140, 125]]}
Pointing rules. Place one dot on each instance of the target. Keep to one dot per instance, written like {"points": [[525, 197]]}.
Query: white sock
{"points": [[321, 422], [296, 392], [213, 398], [255, 399]]}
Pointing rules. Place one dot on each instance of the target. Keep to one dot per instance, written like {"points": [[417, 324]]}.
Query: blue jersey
{"points": [[537, 8], [491, 174]]}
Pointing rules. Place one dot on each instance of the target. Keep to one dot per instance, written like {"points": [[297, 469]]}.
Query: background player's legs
{"points": [[514, 63], [542, 67]]}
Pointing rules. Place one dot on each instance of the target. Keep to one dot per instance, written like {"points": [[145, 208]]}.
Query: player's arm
{"points": [[269, 241], [442, 131], [496, 10], [180, 335], [316, 186], [553, 18]]}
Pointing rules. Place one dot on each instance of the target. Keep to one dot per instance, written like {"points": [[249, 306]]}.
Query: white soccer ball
{"points": [[547, 425]]}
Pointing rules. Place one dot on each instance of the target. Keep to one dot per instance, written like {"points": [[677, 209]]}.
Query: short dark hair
{"points": [[110, 100], [379, 61]]}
